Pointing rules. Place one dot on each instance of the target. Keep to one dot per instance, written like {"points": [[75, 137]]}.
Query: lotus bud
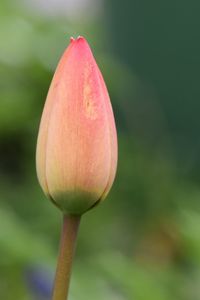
{"points": [[76, 154]]}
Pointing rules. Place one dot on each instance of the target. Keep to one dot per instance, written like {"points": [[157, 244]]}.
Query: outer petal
{"points": [[113, 137], [44, 126], [78, 149]]}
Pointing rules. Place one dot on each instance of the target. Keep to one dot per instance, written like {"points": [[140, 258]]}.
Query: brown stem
{"points": [[65, 258]]}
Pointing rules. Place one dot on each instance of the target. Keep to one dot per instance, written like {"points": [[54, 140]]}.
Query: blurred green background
{"points": [[143, 242]]}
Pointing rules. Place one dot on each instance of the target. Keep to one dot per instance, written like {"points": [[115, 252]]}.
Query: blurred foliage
{"points": [[143, 243]]}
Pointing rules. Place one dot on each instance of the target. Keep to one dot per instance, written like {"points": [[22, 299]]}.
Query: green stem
{"points": [[65, 258]]}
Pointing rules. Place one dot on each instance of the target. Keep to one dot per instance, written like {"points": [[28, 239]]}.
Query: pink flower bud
{"points": [[77, 144]]}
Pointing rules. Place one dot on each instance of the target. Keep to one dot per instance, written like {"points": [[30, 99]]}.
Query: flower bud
{"points": [[76, 155]]}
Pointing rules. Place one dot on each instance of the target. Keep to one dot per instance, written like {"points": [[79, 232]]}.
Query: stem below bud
{"points": [[65, 258]]}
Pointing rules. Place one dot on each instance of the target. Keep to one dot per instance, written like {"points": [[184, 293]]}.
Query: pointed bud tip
{"points": [[72, 39]]}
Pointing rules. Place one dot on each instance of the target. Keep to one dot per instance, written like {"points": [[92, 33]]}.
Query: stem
{"points": [[65, 258]]}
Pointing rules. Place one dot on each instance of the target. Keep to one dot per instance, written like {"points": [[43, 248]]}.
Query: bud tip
{"points": [[72, 39]]}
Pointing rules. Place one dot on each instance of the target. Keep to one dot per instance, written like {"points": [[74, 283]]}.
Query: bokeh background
{"points": [[143, 243]]}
